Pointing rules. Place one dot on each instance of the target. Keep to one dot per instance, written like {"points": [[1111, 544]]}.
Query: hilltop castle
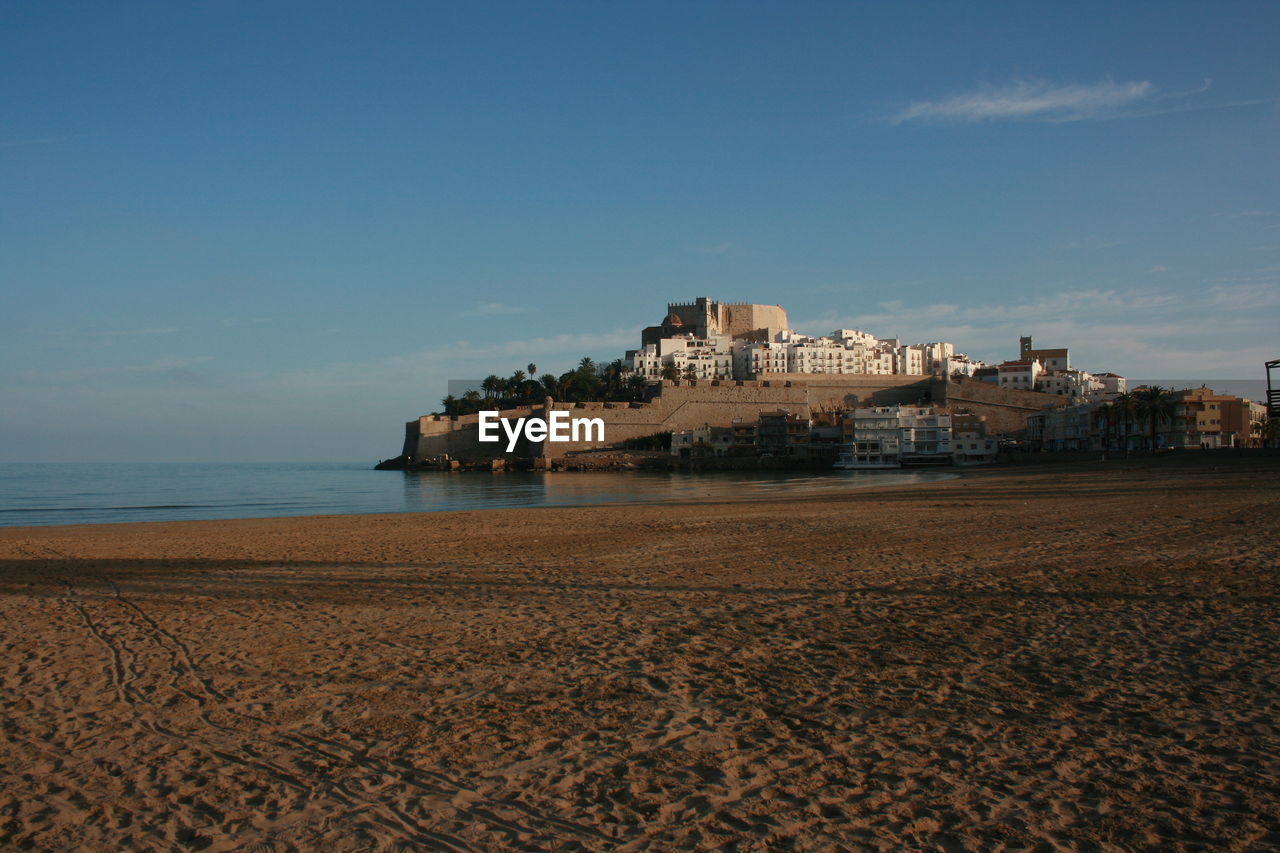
{"points": [[704, 319], [719, 363]]}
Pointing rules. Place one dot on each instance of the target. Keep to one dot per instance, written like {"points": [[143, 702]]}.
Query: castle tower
{"points": [[1025, 342]]}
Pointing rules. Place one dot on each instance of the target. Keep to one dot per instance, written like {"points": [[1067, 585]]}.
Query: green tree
{"points": [[515, 386], [690, 372], [550, 385], [1155, 405], [613, 372], [586, 381], [1122, 414], [636, 385], [670, 371]]}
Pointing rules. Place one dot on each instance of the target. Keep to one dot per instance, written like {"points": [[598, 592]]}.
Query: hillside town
{"points": [[727, 384], [696, 342]]}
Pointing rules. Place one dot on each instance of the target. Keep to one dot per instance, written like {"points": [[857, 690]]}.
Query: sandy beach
{"points": [[1074, 658]]}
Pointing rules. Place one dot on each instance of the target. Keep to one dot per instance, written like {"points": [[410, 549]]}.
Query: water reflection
{"points": [[434, 491], [33, 494]]}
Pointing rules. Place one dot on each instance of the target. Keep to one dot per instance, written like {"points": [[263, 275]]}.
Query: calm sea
{"points": [[66, 493]]}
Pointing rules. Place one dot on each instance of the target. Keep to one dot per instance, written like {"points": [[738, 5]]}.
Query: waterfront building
{"points": [[1200, 419], [1204, 419], [1068, 428], [702, 441], [970, 443], [893, 436], [779, 433]]}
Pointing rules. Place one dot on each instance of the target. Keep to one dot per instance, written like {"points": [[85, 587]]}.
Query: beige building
{"points": [[1205, 419], [704, 318]]}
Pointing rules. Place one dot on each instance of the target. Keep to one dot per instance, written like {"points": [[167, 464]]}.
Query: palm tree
{"points": [[1122, 406], [670, 371], [1155, 404], [490, 386], [636, 385], [585, 380], [690, 372], [450, 404], [550, 385], [613, 378], [532, 368]]}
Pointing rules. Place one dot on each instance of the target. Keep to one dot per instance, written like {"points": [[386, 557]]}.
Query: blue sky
{"points": [[234, 231]]}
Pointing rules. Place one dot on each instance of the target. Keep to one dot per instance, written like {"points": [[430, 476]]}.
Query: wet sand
{"points": [[1050, 658]]}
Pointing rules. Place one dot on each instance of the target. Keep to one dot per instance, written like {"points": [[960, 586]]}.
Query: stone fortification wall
{"points": [[684, 405], [437, 435], [827, 392], [680, 405], [1006, 409]]}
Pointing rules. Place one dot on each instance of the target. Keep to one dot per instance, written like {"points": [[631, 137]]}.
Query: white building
{"points": [[1020, 375], [1057, 376], [771, 351], [891, 436], [702, 441], [711, 358]]}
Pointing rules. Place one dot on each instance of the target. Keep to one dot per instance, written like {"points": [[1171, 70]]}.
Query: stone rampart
{"points": [[679, 406], [1006, 409], [830, 392]]}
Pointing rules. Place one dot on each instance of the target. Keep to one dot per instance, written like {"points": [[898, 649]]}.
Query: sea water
{"points": [[69, 493]]}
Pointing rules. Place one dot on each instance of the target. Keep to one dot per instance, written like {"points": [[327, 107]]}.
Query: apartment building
{"points": [[893, 436]]}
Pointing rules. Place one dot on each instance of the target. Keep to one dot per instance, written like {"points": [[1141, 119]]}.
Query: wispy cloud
{"points": [[169, 368], [433, 367], [1139, 332], [1093, 242], [1248, 214], [1040, 100], [137, 333], [714, 251], [493, 309], [1245, 296], [1027, 99], [39, 140], [1157, 269], [95, 334]]}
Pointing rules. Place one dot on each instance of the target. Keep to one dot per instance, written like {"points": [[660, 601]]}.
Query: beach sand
{"points": [[1043, 657]]}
